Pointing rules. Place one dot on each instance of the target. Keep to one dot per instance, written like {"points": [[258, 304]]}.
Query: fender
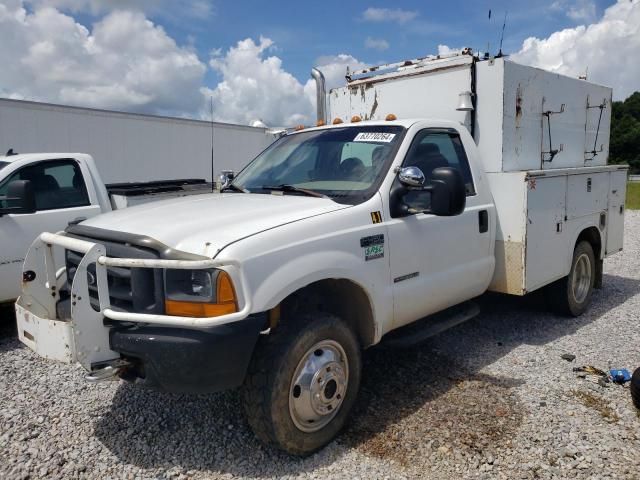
{"points": [[302, 271], [581, 225]]}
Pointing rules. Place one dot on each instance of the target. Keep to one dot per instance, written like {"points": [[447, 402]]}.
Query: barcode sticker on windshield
{"points": [[374, 137]]}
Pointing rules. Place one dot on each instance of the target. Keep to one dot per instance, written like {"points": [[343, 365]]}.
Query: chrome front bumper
{"points": [[84, 337]]}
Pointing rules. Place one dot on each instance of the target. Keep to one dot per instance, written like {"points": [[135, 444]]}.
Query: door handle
{"points": [[483, 221]]}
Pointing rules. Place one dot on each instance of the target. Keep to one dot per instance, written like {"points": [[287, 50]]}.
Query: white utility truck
{"points": [[42, 192], [439, 179]]}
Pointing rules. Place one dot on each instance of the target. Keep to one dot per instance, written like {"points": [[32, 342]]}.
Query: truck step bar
{"points": [[107, 371], [427, 327]]}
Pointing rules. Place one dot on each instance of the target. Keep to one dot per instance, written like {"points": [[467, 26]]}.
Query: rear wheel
{"points": [[635, 388], [573, 293], [302, 383]]}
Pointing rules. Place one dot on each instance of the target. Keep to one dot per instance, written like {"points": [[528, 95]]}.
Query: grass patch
{"points": [[633, 195]]}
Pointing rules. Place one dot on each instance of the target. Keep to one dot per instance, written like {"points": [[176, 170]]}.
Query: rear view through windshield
{"points": [[338, 162]]}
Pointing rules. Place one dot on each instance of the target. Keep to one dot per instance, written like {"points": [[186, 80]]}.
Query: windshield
{"points": [[3, 164], [341, 163]]}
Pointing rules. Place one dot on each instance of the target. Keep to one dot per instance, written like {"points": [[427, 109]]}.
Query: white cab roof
{"points": [[35, 157]]}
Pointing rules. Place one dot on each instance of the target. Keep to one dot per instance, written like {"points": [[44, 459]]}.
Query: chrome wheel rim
{"points": [[318, 386], [581, 281]]}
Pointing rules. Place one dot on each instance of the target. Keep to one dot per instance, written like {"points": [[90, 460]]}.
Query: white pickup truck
{"points": [[339, 236], [42, 192]]}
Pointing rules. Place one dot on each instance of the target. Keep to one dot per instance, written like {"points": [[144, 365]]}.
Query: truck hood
{"points": [[205, 224]]}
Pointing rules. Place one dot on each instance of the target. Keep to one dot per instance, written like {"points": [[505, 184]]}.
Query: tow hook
{"points": [[107, 371]]}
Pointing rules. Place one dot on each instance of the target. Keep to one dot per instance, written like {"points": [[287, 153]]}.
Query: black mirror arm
{"points": [[6, 210]]}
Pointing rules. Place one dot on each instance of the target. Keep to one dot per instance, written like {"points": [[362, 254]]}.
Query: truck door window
{"points": [[56, 184], [433, 149]]}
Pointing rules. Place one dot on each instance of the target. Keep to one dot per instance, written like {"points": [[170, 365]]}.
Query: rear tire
{"points": [[302, 383], [635, 388], [573, 292]]}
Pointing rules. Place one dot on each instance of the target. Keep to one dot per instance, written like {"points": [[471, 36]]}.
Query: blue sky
{"points": [[253, 57], [305, 31]]}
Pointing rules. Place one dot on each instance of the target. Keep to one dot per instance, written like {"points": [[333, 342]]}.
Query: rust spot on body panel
{"points": [[509, 273], [374, 107], [518, 105]]}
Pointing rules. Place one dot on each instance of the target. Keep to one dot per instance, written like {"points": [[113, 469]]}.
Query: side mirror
{"points": [[225, 178], [448, 192], [411, 177], [20, 198], [445, 195]]}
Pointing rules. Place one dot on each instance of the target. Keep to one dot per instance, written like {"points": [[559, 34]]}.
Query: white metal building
{"points": [[130, 147]]}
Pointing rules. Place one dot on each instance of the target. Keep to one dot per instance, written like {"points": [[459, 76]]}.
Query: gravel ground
{"points": [[489, 399]]}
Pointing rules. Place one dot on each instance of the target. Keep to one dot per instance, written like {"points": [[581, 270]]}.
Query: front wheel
{"points": [[573, 293], [302, 383]]}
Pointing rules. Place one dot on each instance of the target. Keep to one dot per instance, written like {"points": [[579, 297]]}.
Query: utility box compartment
{"points": [[540, 215], [523, 118]]}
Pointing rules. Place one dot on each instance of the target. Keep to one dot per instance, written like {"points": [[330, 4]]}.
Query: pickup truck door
{"points": [[61, 197], [437, 262]]}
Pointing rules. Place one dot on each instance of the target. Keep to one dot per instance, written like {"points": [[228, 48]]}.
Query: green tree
{"points": [[625, 133]]}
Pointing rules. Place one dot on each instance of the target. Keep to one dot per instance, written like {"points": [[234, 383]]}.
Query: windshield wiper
{"points": [[233, 188], [291, 188]]}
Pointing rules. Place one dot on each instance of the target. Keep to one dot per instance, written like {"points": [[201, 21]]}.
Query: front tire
{"points": [[573, 293], [302, 383]]}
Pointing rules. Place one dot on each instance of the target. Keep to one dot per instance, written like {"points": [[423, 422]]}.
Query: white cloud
{"points": [[607, 48], [376, 43], [256, 86], [124, 62], [446, 50], [397, 15], [577, 10]]}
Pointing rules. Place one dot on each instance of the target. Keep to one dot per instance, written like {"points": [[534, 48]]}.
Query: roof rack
{"points": [[391, 68]]}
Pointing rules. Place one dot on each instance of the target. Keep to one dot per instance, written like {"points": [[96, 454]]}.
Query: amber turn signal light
{"points": [[226, 302]]}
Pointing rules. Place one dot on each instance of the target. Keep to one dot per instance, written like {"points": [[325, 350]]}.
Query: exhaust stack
{"points": [[320, 94]]}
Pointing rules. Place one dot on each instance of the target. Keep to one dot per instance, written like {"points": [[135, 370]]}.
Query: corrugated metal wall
{"points": [[129, 147]]}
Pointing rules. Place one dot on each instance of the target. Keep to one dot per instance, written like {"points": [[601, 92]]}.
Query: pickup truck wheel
{"points": [[573, 293], [302, 383], [635, 388]]}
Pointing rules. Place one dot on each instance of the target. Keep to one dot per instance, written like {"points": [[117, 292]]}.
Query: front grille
{"points": [[138, 290]]}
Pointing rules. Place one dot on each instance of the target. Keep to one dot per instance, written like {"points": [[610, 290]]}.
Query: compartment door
{"points": [[546, 245], [615, 217]]}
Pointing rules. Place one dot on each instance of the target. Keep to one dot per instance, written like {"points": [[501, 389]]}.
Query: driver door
{"points": [[61, 197], [437, 262]]}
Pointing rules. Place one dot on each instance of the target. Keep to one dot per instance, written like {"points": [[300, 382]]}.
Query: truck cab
{"points": [[42, 192]]}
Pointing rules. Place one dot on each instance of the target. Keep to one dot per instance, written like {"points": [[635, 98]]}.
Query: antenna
{"points": [[213, 181], [488, 43], [504, 24], [585, 75]]}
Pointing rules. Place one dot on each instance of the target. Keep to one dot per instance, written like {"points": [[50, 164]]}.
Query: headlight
{"points": [[199, 293]]}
